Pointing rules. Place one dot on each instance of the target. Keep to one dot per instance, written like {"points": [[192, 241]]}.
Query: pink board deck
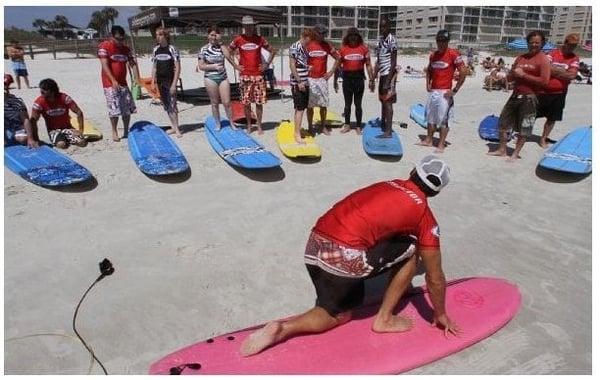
{"points": [[480, 306]]}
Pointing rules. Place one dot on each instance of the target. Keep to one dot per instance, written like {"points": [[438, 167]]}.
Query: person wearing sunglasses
{"points": [[564, 66], [166, 68], [115, 57]]}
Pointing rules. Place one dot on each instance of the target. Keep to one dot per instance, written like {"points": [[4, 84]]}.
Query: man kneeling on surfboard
{"points": [[377, 229]]}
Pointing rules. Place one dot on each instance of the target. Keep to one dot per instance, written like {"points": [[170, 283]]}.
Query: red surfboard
{"points": [[239, 117]]}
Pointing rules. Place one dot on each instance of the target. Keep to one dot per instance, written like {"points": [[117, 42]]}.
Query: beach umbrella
{"points": [[521, 44]]}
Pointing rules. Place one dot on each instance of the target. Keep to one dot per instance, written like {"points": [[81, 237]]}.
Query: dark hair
{"points": [[213, 28], [536, 33], [414, 177], [352, 37], [500, 60], [117, 29], [49, 85]]}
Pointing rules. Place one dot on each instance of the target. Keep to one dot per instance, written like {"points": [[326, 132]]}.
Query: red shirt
{"points": [[56, 113], [117, 56], [570, 63], [249, 47], [442, 66], [378, 212], [538, 66], [317, 57], [354, 58]]}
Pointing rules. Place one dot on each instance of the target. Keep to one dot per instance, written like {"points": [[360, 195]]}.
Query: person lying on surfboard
{"points": [[384, 227]]}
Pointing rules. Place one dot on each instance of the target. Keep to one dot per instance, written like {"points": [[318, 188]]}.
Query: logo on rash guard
{"points": [[317, 53], [56, 112], [119, 57], [249, 46], [436, 231], [354, 57], [561, 65], [163, 57], [439, 65]]}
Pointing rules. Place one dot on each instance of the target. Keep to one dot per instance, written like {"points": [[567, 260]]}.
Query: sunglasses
{"points": [[177, 370]]}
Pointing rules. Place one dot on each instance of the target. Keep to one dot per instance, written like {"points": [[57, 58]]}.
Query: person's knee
{"points": [[21, 139], [61, 144]]}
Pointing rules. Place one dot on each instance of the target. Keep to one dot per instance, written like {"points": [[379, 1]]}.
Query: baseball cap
{"points": [[572, 38], [247, 20], [434, 172], [8, 79], [321, 29], [442, 35]]}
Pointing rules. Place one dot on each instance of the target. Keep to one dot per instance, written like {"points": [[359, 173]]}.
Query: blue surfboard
{"points": [[153, 151], [377, 146], [237, 147], [572, 153], [44, 166], [417, 113], [489, 128]]}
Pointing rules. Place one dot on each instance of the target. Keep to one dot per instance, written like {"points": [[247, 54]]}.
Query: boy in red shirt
{"points": [[564, 66], [54, 106], [114, 58], [531, 74], [252, 82], [383, 227]]}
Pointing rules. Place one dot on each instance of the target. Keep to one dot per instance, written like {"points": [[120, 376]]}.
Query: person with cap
{"points": [[17, 127], [564, 66], [384, 227], [298, 57], [387, 52], [440, 99], [318, 51], [252, 83], [531, 74]]}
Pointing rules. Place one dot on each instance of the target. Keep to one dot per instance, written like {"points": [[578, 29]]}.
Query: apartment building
{"points": [[572, 20], [338, 19], [480, 24]]}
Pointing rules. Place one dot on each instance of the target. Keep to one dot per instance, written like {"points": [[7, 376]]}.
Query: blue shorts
{"points": [[21, 73]]}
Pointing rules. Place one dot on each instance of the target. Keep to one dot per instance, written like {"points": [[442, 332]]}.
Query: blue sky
{"points": [[22, 17]]}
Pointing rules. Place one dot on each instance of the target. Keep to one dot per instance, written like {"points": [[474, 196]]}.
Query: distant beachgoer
{"points": [[298, 57], [440, 100], [54, 107], [211, 60], [564, 66], [17, 127], [387, 52], [252, 82], [531, 73], [166, 68], [354, 56], [115, 56], [318, 89], [17, 61]]}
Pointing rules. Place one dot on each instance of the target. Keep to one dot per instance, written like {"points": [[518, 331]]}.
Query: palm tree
{"points": [[99, 21], [111, 14], [61, 23], [39, 23]]}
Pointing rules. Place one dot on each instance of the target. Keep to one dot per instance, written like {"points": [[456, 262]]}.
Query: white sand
{"points": [[223, 249]]}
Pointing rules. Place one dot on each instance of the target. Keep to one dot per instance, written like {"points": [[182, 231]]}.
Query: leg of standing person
{"points": [[260, 97], [114, 122], [26, 79], [527, 112], [430, 113], [358, 95], [213, 93], [507, 122], [348, 93], [548, 125], [225, 95], [300, 102], [18, 80], [310, 111], [449, 103]]}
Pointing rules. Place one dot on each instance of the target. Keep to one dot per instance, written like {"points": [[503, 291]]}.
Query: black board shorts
{"points": [[551, 106]]}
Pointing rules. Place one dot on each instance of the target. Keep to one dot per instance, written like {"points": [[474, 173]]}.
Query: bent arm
{"points": [[79, 113]]}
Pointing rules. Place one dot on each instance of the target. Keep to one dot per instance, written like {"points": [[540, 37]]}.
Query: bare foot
{"points": [[439, 150], [299, 140], [497, 153], [543, 143], [358, 130], [115, 137], [261, 339], [424, 143], [179, 135], [513, 158], [260, 131], [327, 131], [345, 128], [395, 324]]}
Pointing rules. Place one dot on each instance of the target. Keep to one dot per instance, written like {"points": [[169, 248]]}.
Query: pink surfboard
{"points": [[480, 306]]}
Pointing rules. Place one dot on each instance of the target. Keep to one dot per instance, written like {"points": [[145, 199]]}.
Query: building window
{"points": [[419, 20], [433, 19]]}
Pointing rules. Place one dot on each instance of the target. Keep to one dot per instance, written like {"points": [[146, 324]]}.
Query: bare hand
{"points": [[372, 86], [173, 90], [428, 88], [519, 72], [218, 67], [302, 86], [262, 67], [31, 143], [448, 94], [328, 75], [115, 85], [448, 326], [239, 68], [154, 86]]}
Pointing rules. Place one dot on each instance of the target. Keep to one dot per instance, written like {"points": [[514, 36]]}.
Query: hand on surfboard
{"points": [[447, 324]]}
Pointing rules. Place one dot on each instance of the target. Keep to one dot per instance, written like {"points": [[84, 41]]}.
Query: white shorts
{"points": [[318, 92], [438, 109]]}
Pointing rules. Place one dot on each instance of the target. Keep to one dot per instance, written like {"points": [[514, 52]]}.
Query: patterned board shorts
{"points": [[253, 88], [65, 134], [12, 134], [519, 114], [169, 101], [318, 92], [119, 102]]}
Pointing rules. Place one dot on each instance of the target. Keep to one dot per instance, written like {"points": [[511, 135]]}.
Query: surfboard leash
{"points": [[106, 269]]}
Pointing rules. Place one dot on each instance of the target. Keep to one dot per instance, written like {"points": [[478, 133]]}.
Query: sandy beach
{"points": [[222, 249]]}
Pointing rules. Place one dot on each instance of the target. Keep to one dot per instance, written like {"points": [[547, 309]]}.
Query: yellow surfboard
{"points": [[90, 131], [288, 145], [331, 118]]}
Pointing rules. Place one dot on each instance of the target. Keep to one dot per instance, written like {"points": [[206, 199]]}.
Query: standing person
{"points": [[114, 57], [354, 56], [17, 63], [362, 237], [17, 127], [387, 52], [54, 106], [564, 66], [211, 60], [531, 74], [318, 88], [166, 68], [269, 73], [298, 57], [440, 100], [252, 83]]}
